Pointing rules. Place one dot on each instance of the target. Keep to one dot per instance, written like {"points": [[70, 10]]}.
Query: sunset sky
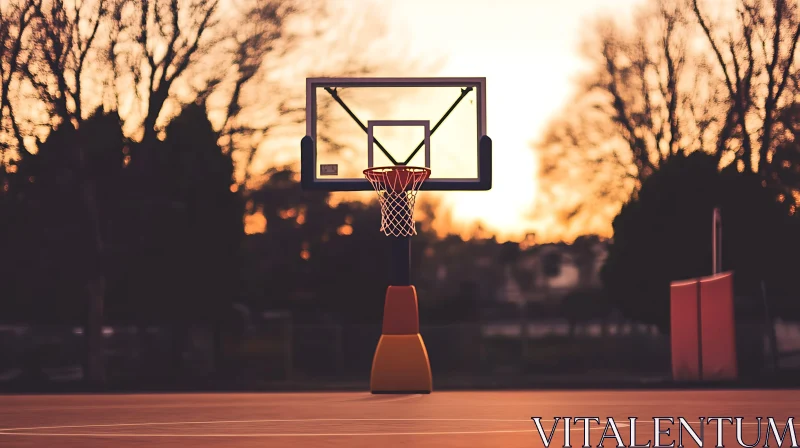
{"points": [[528, 51]]}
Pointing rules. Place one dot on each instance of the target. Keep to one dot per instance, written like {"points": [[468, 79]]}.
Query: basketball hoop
{"points": [[397, 188]]}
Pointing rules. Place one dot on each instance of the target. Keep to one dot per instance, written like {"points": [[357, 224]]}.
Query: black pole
{"points": [[400, 266], [773, 338], [400, 263], [716, 242]]}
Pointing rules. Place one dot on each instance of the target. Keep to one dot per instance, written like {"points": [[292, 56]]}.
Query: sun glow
{"points": [[527, 50]]}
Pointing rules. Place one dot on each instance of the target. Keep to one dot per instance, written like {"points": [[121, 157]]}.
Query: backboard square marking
{"points": [[425, 124]]}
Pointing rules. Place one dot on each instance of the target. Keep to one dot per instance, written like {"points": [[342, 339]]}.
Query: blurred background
{"points": [[153, 234]]}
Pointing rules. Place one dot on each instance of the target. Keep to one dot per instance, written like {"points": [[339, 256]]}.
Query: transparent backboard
{"points": [[357, 123]]}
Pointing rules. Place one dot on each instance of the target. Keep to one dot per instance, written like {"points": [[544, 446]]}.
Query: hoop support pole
{"points": [[400, 264], [401, 362]]}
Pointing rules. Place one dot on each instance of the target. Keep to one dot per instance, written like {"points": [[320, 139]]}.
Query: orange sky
{"points": [[527, 50]]}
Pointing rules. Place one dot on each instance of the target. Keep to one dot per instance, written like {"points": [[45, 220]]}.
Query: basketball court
{"points": [[397, 137], [352, 419]]}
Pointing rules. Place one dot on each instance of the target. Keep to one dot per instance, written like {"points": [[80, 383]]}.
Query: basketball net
{"points": [[397, 189]]}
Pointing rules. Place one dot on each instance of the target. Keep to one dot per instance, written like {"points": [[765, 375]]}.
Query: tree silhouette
{"points": [[664, 234], [323, 260], [65, 194], [757, 63], [784, 169], [52, 186], [131, 211], [652, 93], [15, 21], [64, 35]]}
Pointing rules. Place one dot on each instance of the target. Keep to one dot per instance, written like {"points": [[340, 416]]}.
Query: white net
{"points": [[397, 189]]}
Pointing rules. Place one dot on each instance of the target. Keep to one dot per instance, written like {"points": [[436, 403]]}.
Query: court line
{"points": [[23, 431], [285, 402], [271, 420], [16, 432], [394, 399], [340, 434], [19, 431], [619, 424]]}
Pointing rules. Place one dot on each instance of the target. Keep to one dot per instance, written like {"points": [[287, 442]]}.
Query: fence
{"points": [[282, 352]]}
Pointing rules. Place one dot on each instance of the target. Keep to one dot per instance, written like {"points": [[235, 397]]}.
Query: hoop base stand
{"points": [[401, 364]]}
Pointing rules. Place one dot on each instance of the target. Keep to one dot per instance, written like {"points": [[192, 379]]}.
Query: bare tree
{"points": [[585, 172], [648, 97], [65, 33], [756, 55], [270, 60], [265, 34], [15, 22], [153, 43], [673, 83]]}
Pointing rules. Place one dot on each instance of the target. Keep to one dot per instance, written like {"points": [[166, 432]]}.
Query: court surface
{"points": [[350, 419]]}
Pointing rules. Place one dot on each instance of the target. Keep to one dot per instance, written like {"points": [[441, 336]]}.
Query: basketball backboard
{"points": [[357, 123]]}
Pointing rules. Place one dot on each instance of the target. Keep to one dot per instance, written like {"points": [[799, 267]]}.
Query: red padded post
{"points": [[718, 321], [684, 331]]}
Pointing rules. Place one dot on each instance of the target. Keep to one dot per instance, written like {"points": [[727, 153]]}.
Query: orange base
{"points": [[401, 362], [401, 366]]}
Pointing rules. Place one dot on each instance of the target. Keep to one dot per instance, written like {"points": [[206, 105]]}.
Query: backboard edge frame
{"points": [[308, 174]]}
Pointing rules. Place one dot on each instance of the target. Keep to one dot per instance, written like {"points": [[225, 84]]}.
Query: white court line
{"points": [[336, 434], [272, 420], [218, 405], [23, 431], [394, 399]]}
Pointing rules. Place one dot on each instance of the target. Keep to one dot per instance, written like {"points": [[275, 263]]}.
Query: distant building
{"points": [[548, 272], [505, 273]]}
